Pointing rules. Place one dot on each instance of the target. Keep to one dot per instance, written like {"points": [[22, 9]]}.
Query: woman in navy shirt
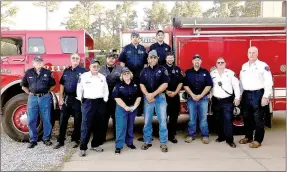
{"points": [[127, 94]]}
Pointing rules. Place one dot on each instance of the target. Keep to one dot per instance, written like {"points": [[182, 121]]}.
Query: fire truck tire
{"points": [[8, 122]]}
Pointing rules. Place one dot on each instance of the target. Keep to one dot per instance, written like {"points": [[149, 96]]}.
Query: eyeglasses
{"points": [[75, 58], [220, 62]]}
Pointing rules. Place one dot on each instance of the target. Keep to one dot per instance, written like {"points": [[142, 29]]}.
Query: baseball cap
{"points": [[95, 61], [196, 56], [135, 34], [125, 69], [38, 59], [152, 53], [111, 54]]}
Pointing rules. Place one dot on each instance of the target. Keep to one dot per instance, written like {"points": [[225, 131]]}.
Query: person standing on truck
{"points": [[128, 95], [68, 102], [161, 47], [37, 83], [257, 83], [134, 56], [153, 82], [225, 94], [197, 84], [112, 73], [172, 96], [93, 92]]}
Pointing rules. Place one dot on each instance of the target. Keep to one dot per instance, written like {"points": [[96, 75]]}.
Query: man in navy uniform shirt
{"points": [[67, 99], [134, 56], [161, 47], [197, 84], [172, 96], [153, 82], [37, 83]]}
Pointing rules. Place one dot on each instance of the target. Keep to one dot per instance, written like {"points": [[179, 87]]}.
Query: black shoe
{"points": [[59, 145], [117, 151], [47, 142], [32, 145], [131, 146], [173, 140], [219, 139], [232, 144]]}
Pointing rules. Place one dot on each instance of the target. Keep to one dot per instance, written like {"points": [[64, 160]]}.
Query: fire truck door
{"points": [[13, 49], [273, 52]]}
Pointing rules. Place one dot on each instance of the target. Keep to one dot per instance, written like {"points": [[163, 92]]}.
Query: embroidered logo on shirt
{"points": [[45, 75], [267, 68]]}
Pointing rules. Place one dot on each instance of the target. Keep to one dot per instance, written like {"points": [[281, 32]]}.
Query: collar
{"points": [[41, 70], [195, 70], [76, 68], [153, 67], [161, 43], [134, 45], [253, 64]]}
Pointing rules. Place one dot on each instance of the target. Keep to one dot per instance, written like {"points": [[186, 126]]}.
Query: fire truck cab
{"points": [[18, 49]]}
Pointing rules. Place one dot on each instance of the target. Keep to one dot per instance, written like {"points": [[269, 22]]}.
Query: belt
{"points": [[226, 98], [254, 91], [38, 94]]}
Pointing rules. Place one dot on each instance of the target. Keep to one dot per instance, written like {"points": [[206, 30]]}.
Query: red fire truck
{"points": [[229, 38], [17, 51]]}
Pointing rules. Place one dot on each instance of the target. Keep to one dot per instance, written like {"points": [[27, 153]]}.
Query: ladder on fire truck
{"points": [[276, 25]]}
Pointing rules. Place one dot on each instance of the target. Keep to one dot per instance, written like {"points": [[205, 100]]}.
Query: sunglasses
{"points": [[75, 58], [220, 62]]}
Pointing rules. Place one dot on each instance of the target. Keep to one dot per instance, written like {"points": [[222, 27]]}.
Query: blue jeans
{"points": [[39, 105], [124, 126], [160, 106], [199, 108]]}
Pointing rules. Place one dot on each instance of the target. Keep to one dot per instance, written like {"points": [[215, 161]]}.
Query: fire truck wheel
{"points": [[14, 121]]}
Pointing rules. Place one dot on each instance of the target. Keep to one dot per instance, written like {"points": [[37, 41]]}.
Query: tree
{"points": [[186, 9], [157, 16], [50, 6], [128, 16], [252, 8], [7, 11], [224, 9]]}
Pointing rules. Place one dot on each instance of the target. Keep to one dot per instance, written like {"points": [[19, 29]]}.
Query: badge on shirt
{"points": [[165, 49], [173, 71], [204, 74], [135, 85], [267, 68], [45, 75]]}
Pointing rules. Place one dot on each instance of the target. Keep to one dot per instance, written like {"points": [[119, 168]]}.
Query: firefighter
{"points": [[172, 96], [93, 92], [112, 73], [161, 47], [134, 56], [153, 82], [128, 95], [37, 83], [257, 83], [197, 84], [68, 102], [225, 94]]}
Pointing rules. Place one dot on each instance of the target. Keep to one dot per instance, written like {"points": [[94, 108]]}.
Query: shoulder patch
{"points": [[166, 72], [267, 68]]}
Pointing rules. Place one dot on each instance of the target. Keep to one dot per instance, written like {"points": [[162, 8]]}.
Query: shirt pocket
{"points": [[45, 80]]}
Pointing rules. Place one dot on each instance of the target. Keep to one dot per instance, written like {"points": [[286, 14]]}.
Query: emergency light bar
{"points": [[195, 22]]}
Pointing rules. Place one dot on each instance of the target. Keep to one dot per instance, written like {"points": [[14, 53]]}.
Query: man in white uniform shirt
{"points": [[256, 80], [226, 94], [92, 91]]}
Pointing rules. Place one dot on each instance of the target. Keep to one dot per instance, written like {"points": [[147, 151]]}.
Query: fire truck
{"points": [[229, 38], [18, 49]]}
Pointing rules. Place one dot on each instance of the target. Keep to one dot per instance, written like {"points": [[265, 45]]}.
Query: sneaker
{"points": [[47, 142], [145, 146], [83, 153], [32, 145], [117, 151], [173, 140], [97, 149], [189, 139], [59, 145], [163, 148], [205, 140], [131, 146]]}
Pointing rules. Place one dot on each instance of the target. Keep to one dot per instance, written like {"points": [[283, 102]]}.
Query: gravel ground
{"points": [[16, 157]]}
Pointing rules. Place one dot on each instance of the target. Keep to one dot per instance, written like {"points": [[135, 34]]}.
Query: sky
{"points": [[30, 17]]}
